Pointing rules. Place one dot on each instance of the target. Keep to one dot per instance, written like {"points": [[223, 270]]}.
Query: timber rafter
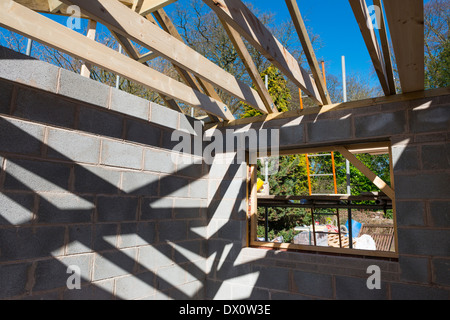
{"points": [[146, 23]]}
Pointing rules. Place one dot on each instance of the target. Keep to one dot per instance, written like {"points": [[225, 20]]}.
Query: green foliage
{"points": [[282, 222], [437, 43], [438, 68], [292, 179], [288, 235], [379, 164], [278, 90], [292, 176]]}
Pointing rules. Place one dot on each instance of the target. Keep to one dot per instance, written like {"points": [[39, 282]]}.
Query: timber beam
{"points": [[122, 20], [406, 25], [22, 20], [308, 49], [238, 16], [366, 27]]}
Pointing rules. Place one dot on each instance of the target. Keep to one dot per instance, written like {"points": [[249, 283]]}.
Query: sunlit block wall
{"points": [[419, 133], [89, 180], [92, 185]]}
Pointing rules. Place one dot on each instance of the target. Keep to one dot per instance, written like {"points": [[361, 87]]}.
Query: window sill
{"points": [[324, 250]]}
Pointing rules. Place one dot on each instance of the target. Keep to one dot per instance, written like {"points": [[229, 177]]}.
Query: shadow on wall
{"points": [[78, 221], [146, 239], [132, 239], [149, 238]]}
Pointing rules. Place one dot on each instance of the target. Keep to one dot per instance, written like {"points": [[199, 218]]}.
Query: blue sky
{"points": [[334, 22]]}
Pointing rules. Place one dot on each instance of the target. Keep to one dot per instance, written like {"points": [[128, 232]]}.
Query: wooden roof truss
{"points": [[146, 23]]}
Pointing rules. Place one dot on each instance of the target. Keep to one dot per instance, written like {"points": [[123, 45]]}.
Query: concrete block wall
{"points": [[227, 223], [88, 179], [419, 132]]}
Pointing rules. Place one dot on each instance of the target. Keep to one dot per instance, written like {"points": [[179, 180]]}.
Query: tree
{"points": [[437, 43], [203, 31], [358, 87], [438, 68], [278, 90], [379, 164], [291, 179]]}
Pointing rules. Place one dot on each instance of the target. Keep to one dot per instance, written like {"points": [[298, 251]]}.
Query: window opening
{"points": [[306, 204]]}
